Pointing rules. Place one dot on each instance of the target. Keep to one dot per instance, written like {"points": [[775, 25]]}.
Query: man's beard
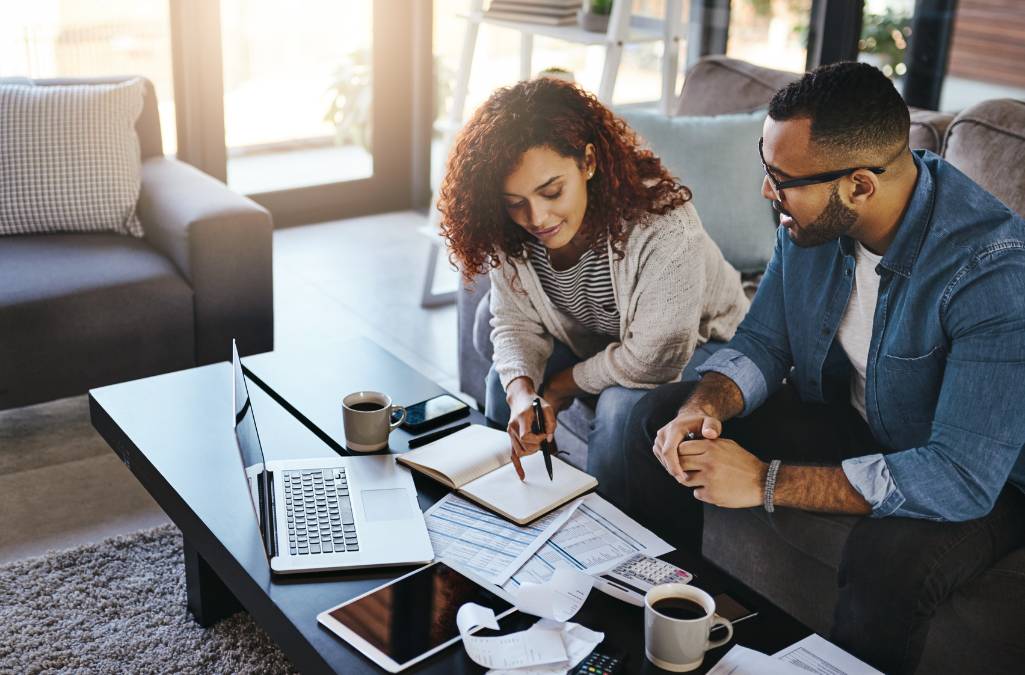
{"points": [[835, 220]]}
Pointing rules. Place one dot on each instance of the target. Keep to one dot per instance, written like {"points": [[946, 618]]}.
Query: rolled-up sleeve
{"points": [[744, 373], [758, 357], [870, 476]]}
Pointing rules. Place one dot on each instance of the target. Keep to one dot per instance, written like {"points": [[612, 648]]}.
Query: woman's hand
{"points": [[525, 440]]}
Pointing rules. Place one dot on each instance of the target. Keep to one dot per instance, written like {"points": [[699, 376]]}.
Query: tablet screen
{"points": [[415, 614]]}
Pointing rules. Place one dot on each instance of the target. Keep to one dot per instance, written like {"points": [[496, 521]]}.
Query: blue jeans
{"points": [[606, 440]]}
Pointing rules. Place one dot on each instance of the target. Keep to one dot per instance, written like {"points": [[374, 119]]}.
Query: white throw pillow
{"points": [[717, 158], [69, 158]]}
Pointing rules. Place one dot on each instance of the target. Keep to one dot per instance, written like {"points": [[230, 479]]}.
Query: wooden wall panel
{"points": [[989, 41]]}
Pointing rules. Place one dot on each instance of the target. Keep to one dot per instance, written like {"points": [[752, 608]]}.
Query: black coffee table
{"points": [[175, 434]]}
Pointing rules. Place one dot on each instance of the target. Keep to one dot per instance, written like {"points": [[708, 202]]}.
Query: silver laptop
{"points": [[328, 514]]}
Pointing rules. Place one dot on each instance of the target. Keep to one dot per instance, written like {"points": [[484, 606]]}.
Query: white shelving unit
{"points": [[623, 29]]}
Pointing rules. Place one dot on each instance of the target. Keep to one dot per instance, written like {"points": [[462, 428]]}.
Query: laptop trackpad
{"points": [[390, 504]]}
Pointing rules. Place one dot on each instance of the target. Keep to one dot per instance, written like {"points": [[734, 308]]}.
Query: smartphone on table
{"points": [[433, 413]]}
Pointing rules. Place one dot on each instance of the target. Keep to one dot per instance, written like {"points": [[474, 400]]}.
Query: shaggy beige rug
{"points": [[119, 607]]}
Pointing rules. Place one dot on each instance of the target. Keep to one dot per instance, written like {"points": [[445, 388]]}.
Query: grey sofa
{"points": [[83, 310], [793, 559]]}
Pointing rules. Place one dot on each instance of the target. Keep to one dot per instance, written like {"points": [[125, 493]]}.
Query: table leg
{"points": [[209, 600]]}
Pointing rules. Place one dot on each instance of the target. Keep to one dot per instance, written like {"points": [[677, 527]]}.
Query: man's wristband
{"points": [[770, 485]]}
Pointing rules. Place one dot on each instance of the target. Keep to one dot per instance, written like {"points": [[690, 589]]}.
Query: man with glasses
{"points": [[880, 371]]}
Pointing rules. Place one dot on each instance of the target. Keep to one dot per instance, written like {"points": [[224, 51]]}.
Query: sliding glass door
{"points": [[308, 108]]}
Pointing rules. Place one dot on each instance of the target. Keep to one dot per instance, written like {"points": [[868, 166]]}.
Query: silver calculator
{"points": [[631, 578]]}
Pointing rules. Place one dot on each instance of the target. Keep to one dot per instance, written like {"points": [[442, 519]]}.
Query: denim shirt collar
{"points": [[903, 251]]}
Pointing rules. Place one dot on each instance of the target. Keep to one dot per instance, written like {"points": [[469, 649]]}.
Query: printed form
{"points": [[595, 534], [470, 536]]}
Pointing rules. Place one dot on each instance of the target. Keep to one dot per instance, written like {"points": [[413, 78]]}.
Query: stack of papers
{"points": [[595, 534], [585, 535], [813, 654], [470, 537]]}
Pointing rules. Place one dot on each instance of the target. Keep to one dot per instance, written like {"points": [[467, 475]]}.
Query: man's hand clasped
{"points": [[719, 470]]}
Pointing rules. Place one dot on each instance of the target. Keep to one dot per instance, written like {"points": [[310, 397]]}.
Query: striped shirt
{"points": [[583, 291]]}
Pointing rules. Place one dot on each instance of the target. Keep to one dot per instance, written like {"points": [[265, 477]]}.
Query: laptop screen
{"points": [[245, 423], [250, 450]]}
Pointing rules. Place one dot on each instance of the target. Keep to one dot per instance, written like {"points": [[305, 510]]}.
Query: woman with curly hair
{"points": [[603, 280]]}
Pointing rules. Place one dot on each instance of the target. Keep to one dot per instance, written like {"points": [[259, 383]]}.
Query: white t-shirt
{"points": [[855, 331]]}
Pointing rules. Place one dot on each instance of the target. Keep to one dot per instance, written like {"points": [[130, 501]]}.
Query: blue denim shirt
{"points": [[945, 382]]}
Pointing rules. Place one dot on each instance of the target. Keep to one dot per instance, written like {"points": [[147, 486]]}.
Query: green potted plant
{"points": [[349, 109], [594, 15], [884, 39]]}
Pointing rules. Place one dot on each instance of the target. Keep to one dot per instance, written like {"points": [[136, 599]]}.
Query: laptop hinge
{"points": [[269, 512]]}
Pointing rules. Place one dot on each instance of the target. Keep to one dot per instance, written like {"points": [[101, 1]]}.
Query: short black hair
{"points": [[853, 108]]}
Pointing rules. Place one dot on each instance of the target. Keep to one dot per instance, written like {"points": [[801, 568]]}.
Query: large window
{"points": [[770, 33], [71, 38], [984, 57], [283, 100], [298, 100]]}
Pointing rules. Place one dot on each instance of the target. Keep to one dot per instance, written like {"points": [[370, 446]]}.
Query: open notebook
{"points": [[476, 463]]}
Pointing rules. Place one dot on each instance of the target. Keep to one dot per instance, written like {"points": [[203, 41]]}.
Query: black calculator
{"points": [[598, 663]]}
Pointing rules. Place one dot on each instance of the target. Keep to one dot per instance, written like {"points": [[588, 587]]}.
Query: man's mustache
{"points": [[777, 206]]}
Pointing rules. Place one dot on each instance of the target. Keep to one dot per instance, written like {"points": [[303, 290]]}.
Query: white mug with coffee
{"points": [[367, 419], [678, 619]]}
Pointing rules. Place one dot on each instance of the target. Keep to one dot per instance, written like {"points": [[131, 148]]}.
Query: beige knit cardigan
{"points": [[673, 289]]}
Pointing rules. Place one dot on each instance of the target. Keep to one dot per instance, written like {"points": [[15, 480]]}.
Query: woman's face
{"points": [[546, 194]]}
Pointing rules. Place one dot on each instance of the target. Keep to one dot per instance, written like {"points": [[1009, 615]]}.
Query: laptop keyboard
{"points": [[319, 512]]}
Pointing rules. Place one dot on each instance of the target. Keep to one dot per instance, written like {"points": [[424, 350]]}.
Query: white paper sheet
{"points": [[466, 535], [743, 661], [559, 598], [516, 650], [596, 534], [578, 641], [815, 654]]}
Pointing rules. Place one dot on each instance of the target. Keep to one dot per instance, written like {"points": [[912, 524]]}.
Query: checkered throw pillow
{"points": [[69, 158]]}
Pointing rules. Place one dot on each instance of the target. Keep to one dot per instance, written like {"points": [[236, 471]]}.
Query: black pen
{"points": [[435, 435], [539, 427]]}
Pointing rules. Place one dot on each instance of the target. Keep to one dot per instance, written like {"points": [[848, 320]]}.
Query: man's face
{"points": [[811, 214]]}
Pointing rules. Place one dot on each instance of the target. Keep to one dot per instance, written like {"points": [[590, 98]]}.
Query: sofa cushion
{"points": [[88, 310], [927, 129], [70, 158], [717, 158], [718, 85], [798, 571], [987, 142], [987, 613]]}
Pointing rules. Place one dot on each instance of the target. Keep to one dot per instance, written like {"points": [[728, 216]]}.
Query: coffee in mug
{"points": [[679, 608], [367, 420], [678, 619]]}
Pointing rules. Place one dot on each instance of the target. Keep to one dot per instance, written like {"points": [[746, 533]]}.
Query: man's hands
{"points": [[669, 437], [720, 471]]}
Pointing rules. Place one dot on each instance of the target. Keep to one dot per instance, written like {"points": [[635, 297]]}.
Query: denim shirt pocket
{"points": [[912, 384]]}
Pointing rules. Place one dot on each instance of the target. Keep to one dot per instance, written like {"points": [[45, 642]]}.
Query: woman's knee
{"points": [[656, 408], [495, 407]]}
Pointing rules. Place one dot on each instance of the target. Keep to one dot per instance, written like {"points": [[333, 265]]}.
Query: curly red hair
{"points": [[628, 183]]}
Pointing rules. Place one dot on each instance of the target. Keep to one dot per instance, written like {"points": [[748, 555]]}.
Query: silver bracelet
{"points": [[770, 485]]}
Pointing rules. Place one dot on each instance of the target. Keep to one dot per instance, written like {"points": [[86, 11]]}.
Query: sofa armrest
{"points": [[222, 243], [473, 365]]}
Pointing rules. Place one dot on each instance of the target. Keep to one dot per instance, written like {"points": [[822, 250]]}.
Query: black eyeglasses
{"points": [[827, 177]]}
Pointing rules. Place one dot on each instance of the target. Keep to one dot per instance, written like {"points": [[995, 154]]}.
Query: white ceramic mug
{"points": [[367, 430], [679, 645]]}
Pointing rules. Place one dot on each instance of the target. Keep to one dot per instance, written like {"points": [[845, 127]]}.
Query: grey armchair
{"points": [[84, 310]]}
